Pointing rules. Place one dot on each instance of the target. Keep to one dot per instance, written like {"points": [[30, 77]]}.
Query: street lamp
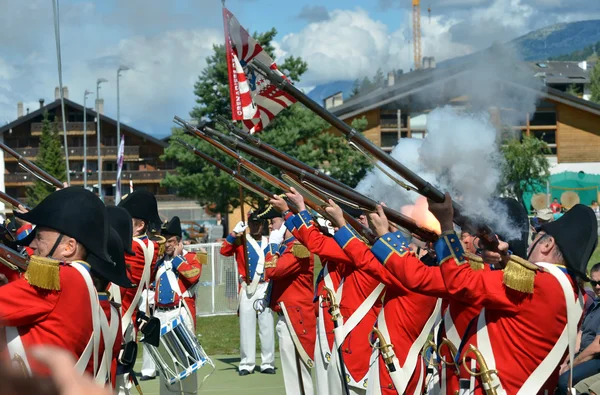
{"points": [[85, 95], [98, 82], [118, 185]]}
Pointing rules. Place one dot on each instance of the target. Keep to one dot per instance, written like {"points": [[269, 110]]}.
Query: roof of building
{"points": [[555, 72], [90, 113], [416, 81]]}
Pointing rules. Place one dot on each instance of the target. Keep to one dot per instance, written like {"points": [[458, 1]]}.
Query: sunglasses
{"points": [[594, 283]]}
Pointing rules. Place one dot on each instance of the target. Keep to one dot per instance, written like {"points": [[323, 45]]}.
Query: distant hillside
{"points": [[321, 92], [557, 40], [588, 53]]}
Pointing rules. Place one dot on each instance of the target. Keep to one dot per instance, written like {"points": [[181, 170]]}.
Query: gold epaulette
{"points": [[475, 261], [202, 258], [300, 251], [272, 262], [519, 274], [43, 273], [190, 273], [161, 241]]}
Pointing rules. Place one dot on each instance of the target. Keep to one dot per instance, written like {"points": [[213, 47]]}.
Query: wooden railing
{"points": [[108, 177], [73, 128], [77, 152]]}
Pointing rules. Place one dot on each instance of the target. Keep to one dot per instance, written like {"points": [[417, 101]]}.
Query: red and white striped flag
{"points": [[254, 100]]}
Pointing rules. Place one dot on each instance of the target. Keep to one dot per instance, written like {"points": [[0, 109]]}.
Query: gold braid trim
{"points": [[202, 258], [190, 273], [519, 275], [43, 273], [475, 261], [300, 251], [272, 262]]}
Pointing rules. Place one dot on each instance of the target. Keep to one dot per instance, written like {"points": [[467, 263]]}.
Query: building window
{"points": [[389, 139], [389, 119], [543, 119]]}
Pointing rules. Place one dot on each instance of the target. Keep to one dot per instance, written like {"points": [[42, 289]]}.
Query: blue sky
{"points": [[166, 42]]}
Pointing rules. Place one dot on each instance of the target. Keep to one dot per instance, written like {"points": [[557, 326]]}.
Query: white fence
{"points": [[217, 291]]}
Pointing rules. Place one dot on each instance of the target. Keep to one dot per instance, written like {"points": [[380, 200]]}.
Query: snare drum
{"points": [[180, 354]]}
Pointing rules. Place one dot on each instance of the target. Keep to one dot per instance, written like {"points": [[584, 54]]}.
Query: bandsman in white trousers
{"points": [[253, 291]]}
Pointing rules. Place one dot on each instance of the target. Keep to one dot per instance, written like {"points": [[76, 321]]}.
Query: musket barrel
{"points": [[10, 200], [32, 167]]}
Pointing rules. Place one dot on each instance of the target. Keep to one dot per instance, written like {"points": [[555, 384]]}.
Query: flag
{"points": [[254, 99], [120, 168], [130, 185]]}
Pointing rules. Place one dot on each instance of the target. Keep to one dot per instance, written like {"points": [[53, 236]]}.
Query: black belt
{"points": [[167, 308]]}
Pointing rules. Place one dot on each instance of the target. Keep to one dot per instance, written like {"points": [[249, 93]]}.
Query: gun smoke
{"points": [[461, 150]]}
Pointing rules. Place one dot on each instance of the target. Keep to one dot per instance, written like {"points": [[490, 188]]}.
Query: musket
{"points": [[256, 142], [10, 200], [32, 168], [318, 204], [243, 235], [12, 259], [423, 187], [324, 185]]}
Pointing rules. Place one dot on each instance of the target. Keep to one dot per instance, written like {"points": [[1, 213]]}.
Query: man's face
{"points": [[44, 241], [277, 223], [467, 241], [595, 283], [170, 245]]}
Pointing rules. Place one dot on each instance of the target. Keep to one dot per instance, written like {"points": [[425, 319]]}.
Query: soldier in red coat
{"points": [[530, 311], [359, 303], [143, 208], [71, 225], [290, 270]]}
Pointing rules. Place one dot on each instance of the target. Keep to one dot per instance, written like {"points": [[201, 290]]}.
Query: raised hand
{"points": [[279, 203], [443, 212], [336, 214], [380, 221], [296, 198]]}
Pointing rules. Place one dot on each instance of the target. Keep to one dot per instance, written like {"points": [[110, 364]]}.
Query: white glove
{"points": [[240, 227], [167, 265], [276, 236]]}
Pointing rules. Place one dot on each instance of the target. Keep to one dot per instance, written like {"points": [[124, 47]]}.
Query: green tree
{"points": [[573, 90], [595, 83], [355, 88], [50, 158], [525, 165], [297, 131]]}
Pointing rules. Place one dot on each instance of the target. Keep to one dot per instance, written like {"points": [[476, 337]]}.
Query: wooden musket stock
{"points": [[32, 167]]}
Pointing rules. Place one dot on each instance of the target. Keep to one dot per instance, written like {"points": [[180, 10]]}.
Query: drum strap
{"points": [[93, 346], [144, 282], [342, 331], [109, 334], [301, 351], [451, 332]]}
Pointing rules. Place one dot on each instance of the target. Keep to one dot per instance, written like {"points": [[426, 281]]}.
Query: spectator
{"points": [[555, 206], [596, 208], [543, 216], [467, 238], [587, 361]]}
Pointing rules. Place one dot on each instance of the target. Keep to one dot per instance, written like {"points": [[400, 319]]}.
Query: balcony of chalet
{"points": [[76, 153], [73, 128], [108, 178]]}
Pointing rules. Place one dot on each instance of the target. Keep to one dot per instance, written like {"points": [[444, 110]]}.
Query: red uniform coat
{"points": [[58, 318], [358, 285], [523, 328], [135, 268], [188, 270], [230, 248], [292, 283], [105, 304], [406, 311]]}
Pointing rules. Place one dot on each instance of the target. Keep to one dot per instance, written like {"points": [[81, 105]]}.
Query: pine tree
{"points": [[50, 158], [595, 83], [573, 90]]}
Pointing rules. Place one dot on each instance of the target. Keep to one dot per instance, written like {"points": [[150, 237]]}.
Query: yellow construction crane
{"points": [[417, 32]]}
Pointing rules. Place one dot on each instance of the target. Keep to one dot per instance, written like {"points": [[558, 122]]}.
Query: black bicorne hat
{"points": [[80, 214], [120, 220], [576, 234], [517, 215], [117, 254], [172, 228], [142, 205], [268, 212]]}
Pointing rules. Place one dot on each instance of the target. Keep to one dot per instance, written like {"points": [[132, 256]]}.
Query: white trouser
{"points": [[248, 331], [188, 385], [148, 366], [320, 369], [290, 361], [334, 377]]}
